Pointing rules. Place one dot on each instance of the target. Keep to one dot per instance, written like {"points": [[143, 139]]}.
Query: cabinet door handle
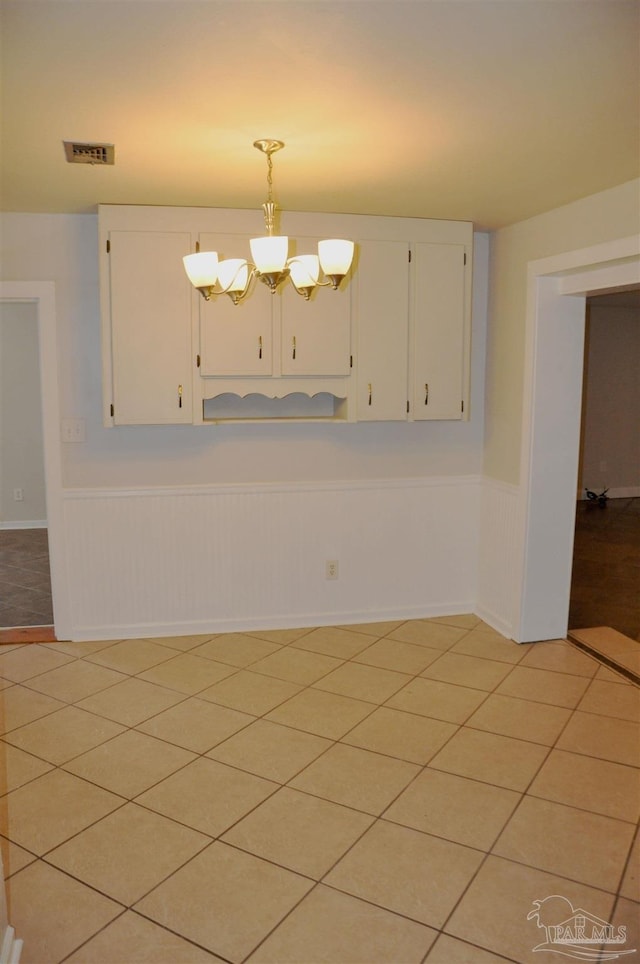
{"points": [[370, 393], [293, 347], [179, 396], [259, 346], [426, 393]]}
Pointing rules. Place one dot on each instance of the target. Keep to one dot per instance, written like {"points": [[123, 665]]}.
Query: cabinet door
{"points": [[437, 330], [235, 339], [150, 327], [382, 319], [316, 334]]}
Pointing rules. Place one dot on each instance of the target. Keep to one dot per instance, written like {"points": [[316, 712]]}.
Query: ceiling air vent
{"points": [[89, 153]]}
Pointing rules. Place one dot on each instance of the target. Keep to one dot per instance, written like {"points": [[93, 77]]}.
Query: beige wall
{"points": [[602, 217], [610, 454]]}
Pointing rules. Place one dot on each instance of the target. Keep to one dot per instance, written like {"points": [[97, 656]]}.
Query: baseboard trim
{"points": [[308, 620], [25, 524], [11, 947]]}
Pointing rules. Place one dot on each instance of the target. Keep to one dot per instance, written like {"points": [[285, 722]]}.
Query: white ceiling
{"points": [[483, 110]]}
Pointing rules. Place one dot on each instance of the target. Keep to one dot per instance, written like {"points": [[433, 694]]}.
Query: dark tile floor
{"points": [[25, 584], [605, 584]]}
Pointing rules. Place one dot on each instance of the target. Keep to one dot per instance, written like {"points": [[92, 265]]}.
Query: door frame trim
{"points": [[43, 295]]}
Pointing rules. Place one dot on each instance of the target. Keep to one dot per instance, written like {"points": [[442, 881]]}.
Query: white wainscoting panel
{"points": [[198, 559], [497, 557]]}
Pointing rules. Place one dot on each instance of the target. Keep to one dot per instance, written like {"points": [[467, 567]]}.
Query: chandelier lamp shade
{"points": [[270, 262]]}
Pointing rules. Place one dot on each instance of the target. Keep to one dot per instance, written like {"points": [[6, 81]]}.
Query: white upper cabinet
{"points": [[148, 366], [437, 336], [382, 342], [316, 334], [391, 344], [235, 339]]}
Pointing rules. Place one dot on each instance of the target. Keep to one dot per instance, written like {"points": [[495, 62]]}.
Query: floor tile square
{"points": [[44, 813], [208, 899], [602, 737], [269, 750], [333, 641], [466, 621], [129, 764], [207, 796], [630, 886], [544, 686], [560, 656], [401, 657], [14, 858], [363, 682], [120, 855], [54, 914], [405, 736], [131, 701], [521, 719], [24, 663], [424, 632], [236, 649], [325, 714], [455, 808], [18, 767], [250, 692], [195, 724], [627, 915], [597, 785], [187, 674], [494, 912], [330, 926], [131, 656], [440, 701], [299, 832], [356, 778], [75, 680], [63, 735], [489, 645], [20, 705], [145, 942], [480, 674], [611, 699], [296, 665], [610, 676], [374, 629], [182, 643], [281, 636], [491, 758], [568, 842], [85, 648], [449, 950], [407, 872]]}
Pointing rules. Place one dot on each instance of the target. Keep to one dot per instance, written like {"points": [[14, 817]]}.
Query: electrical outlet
{"points": [[18, 495], [73, 430], [331, 571]]}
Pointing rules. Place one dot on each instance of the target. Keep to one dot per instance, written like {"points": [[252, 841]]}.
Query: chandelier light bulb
{"points": [[202, 268]]}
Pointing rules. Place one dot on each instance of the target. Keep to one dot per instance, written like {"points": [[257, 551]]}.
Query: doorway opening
{"points": [[40, 296], [25, 583], [605, 582]]}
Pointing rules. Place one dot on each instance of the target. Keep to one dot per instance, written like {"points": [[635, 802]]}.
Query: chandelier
{"points": [[270, 264]]}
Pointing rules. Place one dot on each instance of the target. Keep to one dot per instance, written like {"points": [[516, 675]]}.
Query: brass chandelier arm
{"points": [[270, 263]]}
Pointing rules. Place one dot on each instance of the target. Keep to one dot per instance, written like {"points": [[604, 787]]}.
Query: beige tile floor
{"points": [[391, 792]]}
